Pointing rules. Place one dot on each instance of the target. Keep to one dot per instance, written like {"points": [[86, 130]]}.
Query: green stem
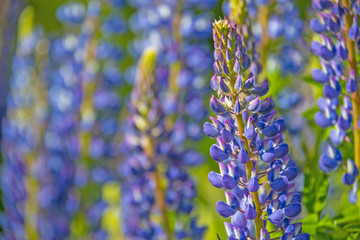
{"points": [[159, 193], [355, 98], [31, 206], [263, 47], [249, 165]]}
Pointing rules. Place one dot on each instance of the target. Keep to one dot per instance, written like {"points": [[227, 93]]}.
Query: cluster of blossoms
{"points": [[7, 49], [101, 81], [255, 168], [177, 31], [21, 137], [277, 24], [266, 23], [147, 202], [58, 198], [60, 140], [138, 199], [338, 29], [88, 87], [287, 100], [107, 102], [284, 25]]}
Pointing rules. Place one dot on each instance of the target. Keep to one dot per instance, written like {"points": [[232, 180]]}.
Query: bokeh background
{"points": [[33, 69]]}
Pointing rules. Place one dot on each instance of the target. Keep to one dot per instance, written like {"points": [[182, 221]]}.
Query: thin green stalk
{"points": [[249, 166], [263, 47], [86, 109], [31, 182], [31, 206], [159, 191], [355, 97]]}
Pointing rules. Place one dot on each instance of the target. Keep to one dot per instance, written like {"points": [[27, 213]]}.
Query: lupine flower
{"points": [[181, 67], [101, 105], [279, 22], [91, 145], [339, 108], [252, 157], [72, 13], [149, 146], [51, 176], [24, 120], [140, 189], [59, 199], [8, 48], [263, 24], [287, 100], [106, 130], [90, 84]]}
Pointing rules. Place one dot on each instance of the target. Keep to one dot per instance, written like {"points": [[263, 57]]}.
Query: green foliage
{"points": [[317, 200], [310, 80], [341, 227]]}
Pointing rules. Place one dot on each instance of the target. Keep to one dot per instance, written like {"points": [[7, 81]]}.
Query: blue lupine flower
{"points": [[336, 113], [282, 24], [72, 13], [180, 83], [100, 106], [20, 138], [265, 147]]}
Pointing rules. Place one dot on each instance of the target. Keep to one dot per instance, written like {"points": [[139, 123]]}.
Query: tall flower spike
{"points": [[98, 134], [21, 142], [141, 188], [262, 24], [55, 210], [182, 66], [267, 175], [335, 112]]}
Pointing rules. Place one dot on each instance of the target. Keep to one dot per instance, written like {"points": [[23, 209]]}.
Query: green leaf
{"points": [[353, 227], [311, 81], [322, 236], [322, 190], [348, 216], [309, 191], [326, 222], [309, 113], [309, 224], [339, 233], [353, 236]]}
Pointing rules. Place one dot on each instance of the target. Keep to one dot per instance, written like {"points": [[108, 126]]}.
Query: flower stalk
{"points": [[355, 97], [252, 157], [249, 165], [339, 108]]}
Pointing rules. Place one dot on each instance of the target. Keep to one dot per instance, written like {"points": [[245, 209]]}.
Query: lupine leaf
{"points": [[310, 224], [309, 113], [308, 192], [310, 80], [347, 216], [353, 227], [322, 190], [353, 236], [326, 223]]}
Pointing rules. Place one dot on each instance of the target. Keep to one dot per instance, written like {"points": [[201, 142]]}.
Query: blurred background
{"points": [[67, 72]]}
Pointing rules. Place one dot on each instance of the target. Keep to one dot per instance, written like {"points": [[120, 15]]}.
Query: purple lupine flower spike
{"points": [[281, 23], [255, 155], [24, 120], [337, 107], [182, 64]]}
